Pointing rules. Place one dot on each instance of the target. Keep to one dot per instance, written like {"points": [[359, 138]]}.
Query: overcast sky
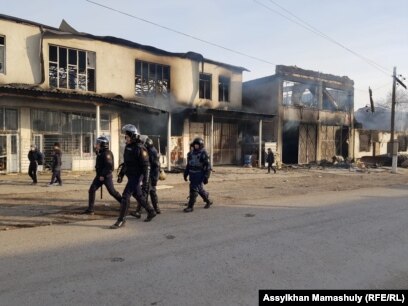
{"points": [[375, 29]]}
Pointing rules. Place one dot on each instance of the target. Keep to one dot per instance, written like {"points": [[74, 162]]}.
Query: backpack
{"points": [[41, 158]]}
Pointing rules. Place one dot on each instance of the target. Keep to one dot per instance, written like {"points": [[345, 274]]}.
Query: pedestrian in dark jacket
{"points": [[33, 156], [104, 167], [56, 166], [270, 159]]}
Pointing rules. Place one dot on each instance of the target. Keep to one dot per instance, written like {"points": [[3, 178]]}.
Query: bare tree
{"points": [[401, 98]]}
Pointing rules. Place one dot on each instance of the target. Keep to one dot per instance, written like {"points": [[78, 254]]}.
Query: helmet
{"points": [[131, 131], [149, 143], [198, 141], [103, 141]]}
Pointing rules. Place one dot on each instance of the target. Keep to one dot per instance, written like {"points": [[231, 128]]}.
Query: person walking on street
{"points": [[270, 159], [154, 161], [56, 166], [34, 156], [104, 167], [198, 168], [137, 169]]}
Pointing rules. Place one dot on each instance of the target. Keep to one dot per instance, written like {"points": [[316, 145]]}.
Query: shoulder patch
{"points": [[108, 156], [145, 154]]}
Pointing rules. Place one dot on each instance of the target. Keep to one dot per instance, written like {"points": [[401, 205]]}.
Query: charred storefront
{"points": [[314, 113], [229, 134], [29, 115]]}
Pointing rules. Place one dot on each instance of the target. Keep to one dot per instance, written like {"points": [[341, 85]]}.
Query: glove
{"points": [[185, 178], [120, 179], [205, 180]]}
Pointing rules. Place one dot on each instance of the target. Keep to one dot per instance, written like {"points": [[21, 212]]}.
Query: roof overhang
{"points": [[62, 95]]}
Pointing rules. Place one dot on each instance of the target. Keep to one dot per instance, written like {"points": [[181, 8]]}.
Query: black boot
{"points": [[191, 202], [124, 207], [150, 211], [155, 201], [208, 203], [88, 211], [118, 224], [138, 213]]}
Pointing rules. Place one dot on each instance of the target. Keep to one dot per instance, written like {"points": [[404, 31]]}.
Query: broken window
{"points": [[2, 54], [71, 68], [205, 86], [334, 99], [365, 141], [223, 89], [152, 79], [298, 94]]}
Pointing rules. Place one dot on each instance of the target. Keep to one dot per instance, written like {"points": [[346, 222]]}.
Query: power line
{"points": [[316, 31], [183, 34], [214, 44]]}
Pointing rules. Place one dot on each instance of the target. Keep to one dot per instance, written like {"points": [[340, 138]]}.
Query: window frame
{"points": [[3, 60], [4, 122], [202, 93], [78, 73], [159, 82], [224, 89]]}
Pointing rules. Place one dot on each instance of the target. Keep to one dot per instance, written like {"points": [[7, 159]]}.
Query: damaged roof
{"points": [[66, 29], [38, 92]]}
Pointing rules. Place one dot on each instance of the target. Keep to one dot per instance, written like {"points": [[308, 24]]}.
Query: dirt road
{"points": [[23, 205]]}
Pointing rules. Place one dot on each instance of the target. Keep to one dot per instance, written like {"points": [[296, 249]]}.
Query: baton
{"points": [[101, 192]]}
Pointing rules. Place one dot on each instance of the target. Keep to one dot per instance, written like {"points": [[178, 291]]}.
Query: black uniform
{"points": [[56, 167], [198, 168], [137, 169], [104, 167], [270, 159], [154, 161], [34, 157]]}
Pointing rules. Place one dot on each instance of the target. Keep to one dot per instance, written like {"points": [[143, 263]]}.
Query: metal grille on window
{"points": [[152, 79], [74, 131]]}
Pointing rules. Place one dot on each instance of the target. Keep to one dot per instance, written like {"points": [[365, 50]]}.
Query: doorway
{"points": [[9, 153]]}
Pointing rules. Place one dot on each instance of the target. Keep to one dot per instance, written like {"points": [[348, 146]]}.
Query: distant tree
{"points": [[401, 98]]}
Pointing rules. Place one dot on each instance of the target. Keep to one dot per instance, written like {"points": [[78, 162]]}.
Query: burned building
{"points": [[59, 84], [373, 132], [314, 113]]}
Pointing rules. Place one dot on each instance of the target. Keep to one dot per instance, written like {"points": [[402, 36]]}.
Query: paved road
{"points": [[221, 256]]}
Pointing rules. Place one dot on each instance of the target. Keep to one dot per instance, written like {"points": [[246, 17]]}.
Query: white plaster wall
{"points": [[25, 138], [115, 66], [22, 51], [115, 133]]}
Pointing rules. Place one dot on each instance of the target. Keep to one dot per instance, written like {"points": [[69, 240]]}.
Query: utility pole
{"points": [[394, 151], [394, 144]]}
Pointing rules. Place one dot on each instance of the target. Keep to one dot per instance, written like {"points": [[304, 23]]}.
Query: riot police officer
{"points": [[104, 167], [136, 167], [154, 160], [198, 169]]}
